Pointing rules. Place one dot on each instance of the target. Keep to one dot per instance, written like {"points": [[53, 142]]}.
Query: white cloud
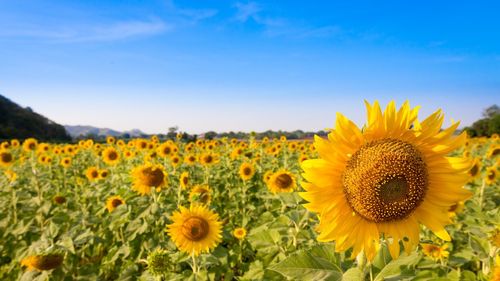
{"points": [[89, 32], [246, 11]]}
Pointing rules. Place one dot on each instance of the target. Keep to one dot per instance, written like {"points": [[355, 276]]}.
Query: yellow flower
{"points": [[475, 170], [164, 150], [110, 156], [11, 175], [184, 180], [195, 230], [175, 160], [66, 162], [15, 143], [282, 181], [147, 176], [496, 270], [435, 252], [92, 173], [385, 180], [103, 174], [208, 159], [491, 175], [267, 176], [110, 140], [456, 209], [113, 202], [190, 159], [494, 151], [201, 194], [240, 233], [247, 171], [42, 262], [30, 144], [6, 158]]}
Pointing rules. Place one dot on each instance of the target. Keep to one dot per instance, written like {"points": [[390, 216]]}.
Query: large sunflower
{"points": [[195, 230], [385, 179]]}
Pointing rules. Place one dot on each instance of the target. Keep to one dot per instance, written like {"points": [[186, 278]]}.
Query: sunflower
{"points": [[30, 144], [164, 150], [6, 158], [385, 179], [208, 159], [147, 176], [201, 194], [190, 159], [110, 156], [491, 175], [175, 160], [456, 209], [15, 143], [247, 171], [113, 202], [66, 162], [267, 176], [43, 262], [11, 175], [435, 252], [92, 173], [103, 174], [110, 140], [240, 233], [184, 179], [475, 170], [282, 181], [494, 151], [5, 145], [195, 230]]}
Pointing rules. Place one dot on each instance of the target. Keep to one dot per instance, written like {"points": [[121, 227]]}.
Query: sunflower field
{"points": [[399, 199]]}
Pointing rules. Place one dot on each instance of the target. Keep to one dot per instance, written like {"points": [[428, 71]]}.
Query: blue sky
{"points": [[239, 65]]}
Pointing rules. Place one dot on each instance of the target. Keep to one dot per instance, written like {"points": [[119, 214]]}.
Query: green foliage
{"points": [[487, 126]]}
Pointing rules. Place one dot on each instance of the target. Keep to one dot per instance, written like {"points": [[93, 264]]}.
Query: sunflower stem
{"points": [[195, 267], [179, 195], [481, 194]]}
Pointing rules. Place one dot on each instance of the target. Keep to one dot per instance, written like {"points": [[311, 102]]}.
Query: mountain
{"points": [[82, 131], [17, 122]]}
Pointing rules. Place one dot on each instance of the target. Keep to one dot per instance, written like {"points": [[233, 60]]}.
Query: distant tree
{"points": [[487, 126], [491, 111], [210, 135]]}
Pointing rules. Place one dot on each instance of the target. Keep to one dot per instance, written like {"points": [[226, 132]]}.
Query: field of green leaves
{"points": [[104, 211]]}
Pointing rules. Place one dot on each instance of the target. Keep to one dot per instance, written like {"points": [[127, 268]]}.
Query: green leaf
{"points": [[353, 274], [304, 265], [398, 268]]}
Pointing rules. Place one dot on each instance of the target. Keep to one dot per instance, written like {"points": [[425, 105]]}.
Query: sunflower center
{"points": [[284, 181], [116, 202], [247, 171], [153, 176], [6, 157], [385, 180], [474, 170], [112, 155], [185, 180], [195, 228]]}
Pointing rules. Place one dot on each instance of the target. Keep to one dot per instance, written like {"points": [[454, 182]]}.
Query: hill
{"points": [[21, 123], [86, 131]]}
